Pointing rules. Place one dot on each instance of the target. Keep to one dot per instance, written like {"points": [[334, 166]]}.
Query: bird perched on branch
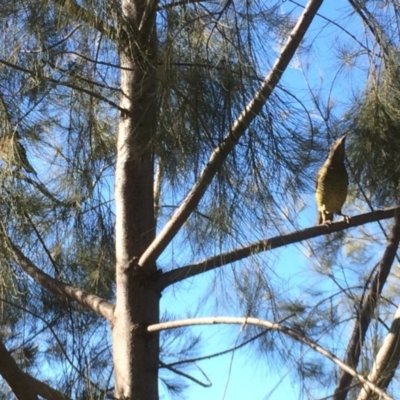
{"points": [[13, 152], [331, 184]]}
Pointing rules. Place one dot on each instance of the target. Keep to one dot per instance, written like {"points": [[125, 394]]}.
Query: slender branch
{"points": [[88, 300], [187, 271], [230, 350], [57, 339], [181, 3], [337, 25], [70, 85], [187, 376], [24, 386], [366, 312], [272, 326], [218, 354], [370, 22], [90, 93], [238, 128], [46, 49], [387, 360], [78, 13]]}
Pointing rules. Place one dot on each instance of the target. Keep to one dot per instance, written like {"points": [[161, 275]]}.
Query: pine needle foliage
{"points": [[374, 138], [60, 92]]}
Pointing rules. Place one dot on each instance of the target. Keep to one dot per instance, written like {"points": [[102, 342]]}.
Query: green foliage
{"points": [[374, 139], [59, 89]]}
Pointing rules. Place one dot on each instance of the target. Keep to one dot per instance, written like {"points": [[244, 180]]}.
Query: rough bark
{"points": [[137, 305]]}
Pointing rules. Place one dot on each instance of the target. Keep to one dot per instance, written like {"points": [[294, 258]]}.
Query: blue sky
{"points": [[244, 375]]}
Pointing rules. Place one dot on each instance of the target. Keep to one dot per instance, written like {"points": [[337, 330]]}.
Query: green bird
{"points": [[331, 184], [13, 152]]}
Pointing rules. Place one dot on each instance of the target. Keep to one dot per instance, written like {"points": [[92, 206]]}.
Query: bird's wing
{"points": [[318, 177]]}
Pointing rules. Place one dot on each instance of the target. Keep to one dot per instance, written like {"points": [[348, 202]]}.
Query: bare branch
{"points": [[221, 152], [187, 376], [230, 350], [88, 300], [179, 274], [366, 312], [387, 360], [272, 326], [24, 386]]}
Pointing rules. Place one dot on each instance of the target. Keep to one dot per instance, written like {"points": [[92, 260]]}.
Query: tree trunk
{"points": [[137, 304]]}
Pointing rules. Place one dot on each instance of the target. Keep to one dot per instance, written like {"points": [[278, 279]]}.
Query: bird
{"points": [[13, 152], [331, 184]]}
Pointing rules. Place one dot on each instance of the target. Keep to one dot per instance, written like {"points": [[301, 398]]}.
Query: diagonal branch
{"points": [[366, 312], [370, 21], [187, 376], [238, 128], [187, 271], [24, 386], [88, 300], [271, 326], [386, 362], [337, 25], [49, 326], [69, 85]]}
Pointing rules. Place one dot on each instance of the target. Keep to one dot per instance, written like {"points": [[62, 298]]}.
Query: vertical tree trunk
{"points": [[137, 304]]}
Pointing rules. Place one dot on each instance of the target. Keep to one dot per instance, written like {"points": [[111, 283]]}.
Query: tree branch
{"points": [[24, 386], [90, 301], [230, 350], [187, 271], [70, 85], [78, 13], [369, 20], [221, 152], [366, 312], [386, 362], [272, 326], [337, 25], [57, 339], [187, 376], [180, 3]]}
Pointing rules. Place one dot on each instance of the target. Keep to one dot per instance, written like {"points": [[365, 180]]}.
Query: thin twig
{"points": [[272, 326], [187, 376], [78, 13]]}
